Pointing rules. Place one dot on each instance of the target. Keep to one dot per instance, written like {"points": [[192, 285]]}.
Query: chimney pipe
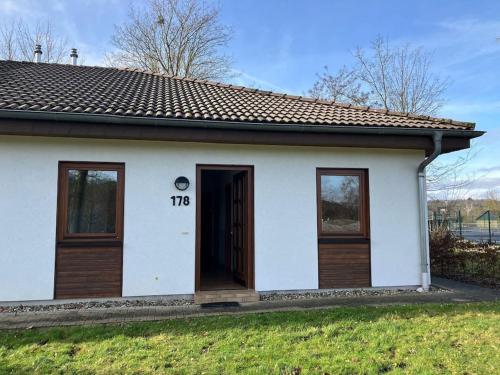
{"points": [[74, 56], [38, 53]]}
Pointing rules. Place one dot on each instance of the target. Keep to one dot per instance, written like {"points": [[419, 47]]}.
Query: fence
{"points": [[485, 228]]}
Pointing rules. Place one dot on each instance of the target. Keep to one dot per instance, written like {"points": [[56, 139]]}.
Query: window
{"points": [[342, 203], [91, 200]]}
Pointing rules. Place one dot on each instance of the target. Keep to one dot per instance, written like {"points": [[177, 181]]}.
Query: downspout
{"points": [[422, 202]]}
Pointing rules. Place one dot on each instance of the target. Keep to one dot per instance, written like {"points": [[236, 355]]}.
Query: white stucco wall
{"points": [[159, 240]]}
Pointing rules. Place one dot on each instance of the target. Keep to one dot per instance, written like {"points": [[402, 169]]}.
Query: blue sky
{"points": [[280, 45]]}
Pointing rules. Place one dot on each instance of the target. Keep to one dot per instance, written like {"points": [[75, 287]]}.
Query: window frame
{"points": [[62, 214], [364, 216]]}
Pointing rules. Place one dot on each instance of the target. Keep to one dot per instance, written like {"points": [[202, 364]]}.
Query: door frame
{"points": [[331, 242], [249, 169], [82, 241]]}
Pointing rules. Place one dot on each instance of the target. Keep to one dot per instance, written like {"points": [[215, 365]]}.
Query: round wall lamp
{"points": [[181, 183]]}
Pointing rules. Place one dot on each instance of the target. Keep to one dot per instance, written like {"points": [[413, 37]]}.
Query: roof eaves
{"points": [[238, 125]]}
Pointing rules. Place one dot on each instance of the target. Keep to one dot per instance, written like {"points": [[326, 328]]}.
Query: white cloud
{"points": [[473, 29], [465, 49], [459, 109], [481, 186], [31, 9], [10, 7], [495, 168], [462, 40], [476, 184]]}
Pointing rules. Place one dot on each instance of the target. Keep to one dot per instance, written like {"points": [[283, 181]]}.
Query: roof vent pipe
{"points": [[422, 202], [38, 53], [74, 56]]}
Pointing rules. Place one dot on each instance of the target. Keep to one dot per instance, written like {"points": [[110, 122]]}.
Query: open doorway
{"points": [[224, 251]]}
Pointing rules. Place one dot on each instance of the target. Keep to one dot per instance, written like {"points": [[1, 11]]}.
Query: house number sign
{"points": [[180, 200]]}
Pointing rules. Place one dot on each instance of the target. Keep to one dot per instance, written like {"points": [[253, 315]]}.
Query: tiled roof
{"points": [[126, 92]]}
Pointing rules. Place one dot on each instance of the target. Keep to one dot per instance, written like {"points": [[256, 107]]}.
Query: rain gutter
{"points": [[233, 125]]}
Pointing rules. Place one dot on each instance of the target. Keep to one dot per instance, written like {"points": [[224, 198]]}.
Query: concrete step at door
{"points": [[214, 296]]}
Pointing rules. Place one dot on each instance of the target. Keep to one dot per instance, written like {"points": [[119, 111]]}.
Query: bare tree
{"points": [[343, 86], [492, 201], [396, 78], [55, 49], [8, 41], [391, 77], [400, 78], [176, 37], [18, 40], [450, 176]]}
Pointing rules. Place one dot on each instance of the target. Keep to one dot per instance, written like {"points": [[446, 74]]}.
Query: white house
{"points": [[118, 182]]}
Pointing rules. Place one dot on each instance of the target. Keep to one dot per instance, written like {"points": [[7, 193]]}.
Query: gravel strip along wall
{"points": [[278, 296], [166, 302]]}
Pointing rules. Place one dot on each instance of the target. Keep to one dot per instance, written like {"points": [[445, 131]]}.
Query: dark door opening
{"points": [[224, 225]]}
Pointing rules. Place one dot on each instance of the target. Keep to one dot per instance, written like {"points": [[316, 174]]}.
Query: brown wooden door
{"points": [[240, 227], [240, 199], [228, 227], [89, 247], [343, 228], [207, 232]]}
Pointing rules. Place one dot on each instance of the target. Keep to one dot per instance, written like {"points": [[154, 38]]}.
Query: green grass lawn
{"points": [[461, 338]]}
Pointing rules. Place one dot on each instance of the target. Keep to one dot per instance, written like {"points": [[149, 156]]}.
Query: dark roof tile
{"points": [[134, 92]]}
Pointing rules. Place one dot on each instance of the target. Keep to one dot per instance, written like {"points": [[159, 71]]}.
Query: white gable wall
{"points": [[159, 239]]}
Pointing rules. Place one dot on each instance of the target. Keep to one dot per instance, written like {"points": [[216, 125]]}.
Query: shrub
{"points": [[464, 260]]}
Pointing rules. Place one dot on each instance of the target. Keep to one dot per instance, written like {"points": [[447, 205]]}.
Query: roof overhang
{"points": [[61, 124]]}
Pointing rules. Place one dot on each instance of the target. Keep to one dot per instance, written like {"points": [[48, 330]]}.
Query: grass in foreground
{"points": [[461, 338]]}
